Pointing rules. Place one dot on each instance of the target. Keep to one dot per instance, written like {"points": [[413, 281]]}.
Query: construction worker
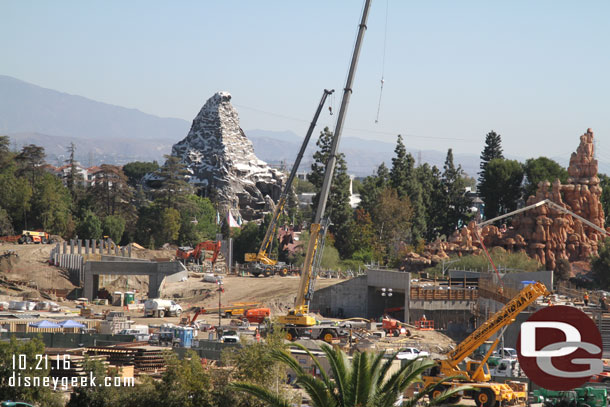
{"points": [[602, 303], [586, 299]]}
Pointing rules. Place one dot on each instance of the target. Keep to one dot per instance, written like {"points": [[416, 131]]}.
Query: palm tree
{"points": [[365, 381]]}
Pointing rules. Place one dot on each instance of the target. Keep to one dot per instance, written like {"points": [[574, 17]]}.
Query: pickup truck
{"points": [[411, 353]]}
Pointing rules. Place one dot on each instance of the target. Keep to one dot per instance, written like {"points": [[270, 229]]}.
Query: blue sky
{"points": [[534, 71]]}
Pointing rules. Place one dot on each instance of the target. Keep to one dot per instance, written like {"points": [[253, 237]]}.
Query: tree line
{"points": [[404, 206], [114, 204]]}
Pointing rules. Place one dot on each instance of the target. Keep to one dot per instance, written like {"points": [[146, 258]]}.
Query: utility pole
{"points": [[220, 290]]}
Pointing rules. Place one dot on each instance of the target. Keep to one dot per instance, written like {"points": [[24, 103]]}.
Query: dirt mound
{"points": [[8, 261]]}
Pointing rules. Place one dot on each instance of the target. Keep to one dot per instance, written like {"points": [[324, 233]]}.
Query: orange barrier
{"points": [[424, 325]]}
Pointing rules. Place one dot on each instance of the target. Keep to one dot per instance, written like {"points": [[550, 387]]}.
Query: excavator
{"points": [[189, 254], [298, 322], [476, 373], [260, 263]]}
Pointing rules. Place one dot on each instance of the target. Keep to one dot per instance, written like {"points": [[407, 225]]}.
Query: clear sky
{"points": [[537, 72]]}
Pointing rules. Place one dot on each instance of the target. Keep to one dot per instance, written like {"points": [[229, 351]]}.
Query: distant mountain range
{"points": [[105, 133]]}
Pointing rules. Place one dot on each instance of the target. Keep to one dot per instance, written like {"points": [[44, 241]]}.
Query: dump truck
{"points": [[161, 308]]}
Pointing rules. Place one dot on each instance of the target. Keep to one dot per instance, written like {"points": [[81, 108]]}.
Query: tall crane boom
{"points": [[262, 257], [306, 286]]}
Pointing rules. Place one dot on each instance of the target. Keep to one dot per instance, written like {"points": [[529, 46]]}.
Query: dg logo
{"points": [[560, 348]]}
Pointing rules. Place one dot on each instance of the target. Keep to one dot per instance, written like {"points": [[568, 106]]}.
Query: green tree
{"points": [[372, 186], [96, 396], [30, 161], [255, 363], [492, 150], [501, 187], [248, 241], [173, 185], [432, 197], [90, 227], [600, 265], [456, 204], [170, 225], [404, 179], [114, 226], [392, 219], [198, 221], [6, 226], [605, 198], [51, 204], [111, 193], [136, 170], [6, 157], [74, 178], [541, 169], [363, 381], [363, 237], [16, 198], [11, 350], [338, 207]]}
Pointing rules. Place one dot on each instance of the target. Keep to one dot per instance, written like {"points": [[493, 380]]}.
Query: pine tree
{"points": [[338, 207], [493, 149], [456, 203], [372, 187], [74, 178], [400, 167], [174, 187], [432, 199]]}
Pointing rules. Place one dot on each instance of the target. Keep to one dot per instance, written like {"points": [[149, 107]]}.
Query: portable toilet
{"points": [[117, 298], [129, 297]]}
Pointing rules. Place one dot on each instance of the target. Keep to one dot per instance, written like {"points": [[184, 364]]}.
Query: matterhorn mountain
{"points": [[221, 160]]}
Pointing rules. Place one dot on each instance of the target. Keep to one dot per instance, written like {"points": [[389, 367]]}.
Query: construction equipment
{"points": [[32, 236], [393, 326], [257, 315], [298, 322], [487, 394], [579, 397], [261, 263], [188, 254]]}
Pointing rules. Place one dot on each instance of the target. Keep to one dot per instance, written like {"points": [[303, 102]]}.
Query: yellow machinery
{"points": [[261, 263], [476, 374], [298, 322]]}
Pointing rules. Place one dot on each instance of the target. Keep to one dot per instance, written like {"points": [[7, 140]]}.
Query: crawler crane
{"points": [[476, 374]]}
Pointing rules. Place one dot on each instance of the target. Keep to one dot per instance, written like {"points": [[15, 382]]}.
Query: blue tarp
{"points": [[71, 324], [44, 324]]}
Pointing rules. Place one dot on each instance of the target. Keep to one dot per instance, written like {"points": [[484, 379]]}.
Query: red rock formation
{"points": [[545, 234]]}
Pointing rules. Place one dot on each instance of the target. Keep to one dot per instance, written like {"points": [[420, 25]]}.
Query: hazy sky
{"points": [[537, 72]]}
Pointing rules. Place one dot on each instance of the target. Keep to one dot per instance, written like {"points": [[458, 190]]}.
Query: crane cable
{"points": [[385, 37]]}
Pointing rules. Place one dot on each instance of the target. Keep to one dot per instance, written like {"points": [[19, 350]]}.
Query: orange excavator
{"points": [[189, 254]]}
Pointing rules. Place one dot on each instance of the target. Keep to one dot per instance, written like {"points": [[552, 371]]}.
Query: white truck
{"points": [[411, 353], [161, 308]]}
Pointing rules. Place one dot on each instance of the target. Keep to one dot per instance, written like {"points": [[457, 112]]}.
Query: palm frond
{"points": [[340, 371], [317, 391], [267, 396]]}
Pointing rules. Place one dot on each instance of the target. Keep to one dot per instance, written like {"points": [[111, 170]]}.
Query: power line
{"points": [[390, 133]]}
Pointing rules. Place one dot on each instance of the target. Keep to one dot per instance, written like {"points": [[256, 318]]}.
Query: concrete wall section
{"points": [[156, 272], [399, 282], [345, 300]]}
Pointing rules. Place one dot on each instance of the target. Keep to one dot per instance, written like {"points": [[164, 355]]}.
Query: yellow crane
{"points": [[260, 263], [298, 322], [476, 374]]}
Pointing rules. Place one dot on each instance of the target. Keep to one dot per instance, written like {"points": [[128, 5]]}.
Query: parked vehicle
{"points": [[411, 353], [31, 236], [579, 397], [161, 308]]}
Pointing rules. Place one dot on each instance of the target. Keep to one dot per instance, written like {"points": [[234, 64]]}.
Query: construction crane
{"points": [[261, 263], [487, 393], [189, 254], [298, 321]]}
